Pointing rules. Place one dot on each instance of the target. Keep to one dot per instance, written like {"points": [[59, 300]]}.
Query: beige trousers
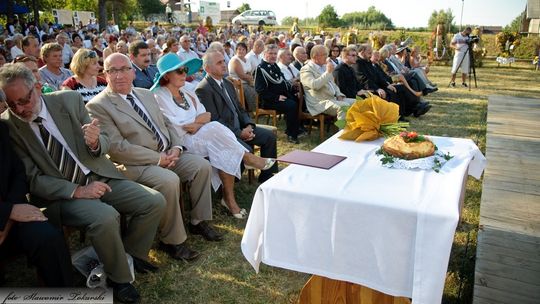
{"points": [[190, 168]]}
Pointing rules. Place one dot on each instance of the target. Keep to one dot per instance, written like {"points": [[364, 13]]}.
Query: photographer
{"points": [[460, 42]]}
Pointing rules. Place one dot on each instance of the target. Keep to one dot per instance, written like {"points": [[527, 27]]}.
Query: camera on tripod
{"points": [[473, 39]]}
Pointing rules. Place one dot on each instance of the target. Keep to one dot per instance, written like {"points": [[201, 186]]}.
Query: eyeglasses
{"points": [[181, 70], [91, 54], [114, 71], [23, 101]]}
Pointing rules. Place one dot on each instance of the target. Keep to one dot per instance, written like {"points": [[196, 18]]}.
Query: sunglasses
{"points": [[24, 58], [91, 54], [181, 70]]}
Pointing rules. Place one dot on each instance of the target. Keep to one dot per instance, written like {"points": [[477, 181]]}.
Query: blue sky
{"points": [[404, 13]]}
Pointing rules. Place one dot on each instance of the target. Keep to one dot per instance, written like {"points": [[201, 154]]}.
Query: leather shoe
{"points": [[429, 90], [422, 109], [124, 292], [206, 231], [142, 266], [179, 252]]}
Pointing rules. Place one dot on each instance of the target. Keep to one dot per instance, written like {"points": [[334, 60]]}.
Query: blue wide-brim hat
{"points": [[170, 62]]}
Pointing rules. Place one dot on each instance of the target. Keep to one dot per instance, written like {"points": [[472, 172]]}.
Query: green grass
{"points": [[222, 275]]}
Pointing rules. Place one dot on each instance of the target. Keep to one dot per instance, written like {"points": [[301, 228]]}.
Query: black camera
{"points": [[474, 39]]}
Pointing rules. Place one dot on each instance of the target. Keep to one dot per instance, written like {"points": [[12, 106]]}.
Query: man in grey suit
{"points": [[150, 151], [219, 98], [63, 152]]}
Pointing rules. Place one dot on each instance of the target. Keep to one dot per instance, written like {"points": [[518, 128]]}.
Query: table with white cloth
{"points": [[387, 229]]}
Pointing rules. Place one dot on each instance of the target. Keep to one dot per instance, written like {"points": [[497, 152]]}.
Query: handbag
{"points": [[87, 262]]}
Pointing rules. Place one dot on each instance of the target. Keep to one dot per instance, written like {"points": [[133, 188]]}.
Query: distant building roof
{"points": [[533, 9], [491, 29]]}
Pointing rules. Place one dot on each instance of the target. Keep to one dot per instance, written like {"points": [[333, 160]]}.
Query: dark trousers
{"points": [[265, 139], [46, 249], [289, 107], [406, 100]]}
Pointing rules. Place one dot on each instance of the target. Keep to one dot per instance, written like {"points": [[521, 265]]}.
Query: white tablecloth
{"points": [[387, 229], [505, 60]]}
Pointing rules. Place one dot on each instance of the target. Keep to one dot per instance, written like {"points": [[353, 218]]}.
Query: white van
{"points": [[257, 17]]}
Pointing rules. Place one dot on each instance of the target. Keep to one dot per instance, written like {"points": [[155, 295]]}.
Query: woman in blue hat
{"points": [[201, 136]]}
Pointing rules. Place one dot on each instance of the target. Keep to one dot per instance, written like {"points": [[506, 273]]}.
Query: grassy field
{"points": [[222, 275]]}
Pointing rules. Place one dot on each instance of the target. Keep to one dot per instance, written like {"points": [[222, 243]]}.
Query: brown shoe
{"points": [[179, 252], [206, 231]]}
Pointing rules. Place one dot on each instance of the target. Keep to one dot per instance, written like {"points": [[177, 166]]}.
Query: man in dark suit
{"points": [[345, 76], [24, 227], [276, 92], [300, 57], [139, 53], [219, 98], [64, 154]]}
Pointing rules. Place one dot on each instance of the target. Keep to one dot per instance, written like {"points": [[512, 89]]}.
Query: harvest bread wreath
{"points": [[409, 145]]}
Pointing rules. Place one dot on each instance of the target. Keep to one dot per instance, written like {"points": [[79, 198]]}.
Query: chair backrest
{"points": [[301, 113], [237, 83]]}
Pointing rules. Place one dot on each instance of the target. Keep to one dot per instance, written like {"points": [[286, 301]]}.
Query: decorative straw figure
{"points": [[438, 44], [295, 29]]}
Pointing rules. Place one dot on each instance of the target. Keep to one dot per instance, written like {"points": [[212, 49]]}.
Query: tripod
{"points": [[471, 65]]}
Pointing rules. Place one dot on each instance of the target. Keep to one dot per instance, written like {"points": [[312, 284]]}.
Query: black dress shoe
{"points": [[179, 252], [422, 109], [124, 292], [427, 91], [206, 231], [142, 266]]}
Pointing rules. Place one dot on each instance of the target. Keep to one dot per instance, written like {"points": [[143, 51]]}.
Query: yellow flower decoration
{"points": [[370, 119]]}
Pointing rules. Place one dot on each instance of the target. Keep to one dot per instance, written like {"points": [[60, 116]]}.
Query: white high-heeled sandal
{"points": [[241, 215], [268, 163]]}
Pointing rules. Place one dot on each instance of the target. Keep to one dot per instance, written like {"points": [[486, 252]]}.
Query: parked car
{"points": [[258, 17]]}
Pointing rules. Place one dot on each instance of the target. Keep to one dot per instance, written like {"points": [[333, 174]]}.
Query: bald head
{"points": [[258, 46], [300, 54], [119, 73], [117, 58]]}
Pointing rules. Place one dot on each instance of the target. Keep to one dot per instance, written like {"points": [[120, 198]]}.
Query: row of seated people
{"points": [[70, 168], [328, 88], [88, 82], [362, 69]]}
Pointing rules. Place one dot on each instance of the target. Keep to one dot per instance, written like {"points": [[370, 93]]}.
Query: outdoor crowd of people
{"points": [[113, 122]]}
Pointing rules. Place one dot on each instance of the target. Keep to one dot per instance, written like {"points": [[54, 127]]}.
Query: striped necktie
{"points": [[60, 156], [146, 119]]}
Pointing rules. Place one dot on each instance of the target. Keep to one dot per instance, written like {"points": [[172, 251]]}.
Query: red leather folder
{"points": [[311, 159]]}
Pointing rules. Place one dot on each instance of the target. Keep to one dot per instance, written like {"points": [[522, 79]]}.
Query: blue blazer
{"points": [[143, 80]]}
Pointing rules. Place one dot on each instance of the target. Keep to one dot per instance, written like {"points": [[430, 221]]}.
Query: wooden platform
{"points": [[321, 290], [508, 250]]}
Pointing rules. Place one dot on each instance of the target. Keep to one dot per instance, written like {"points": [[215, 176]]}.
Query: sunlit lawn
{"points": [[222, 275]]}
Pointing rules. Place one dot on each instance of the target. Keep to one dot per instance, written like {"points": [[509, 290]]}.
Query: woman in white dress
{"points": [[240, 68], [200, 135]]}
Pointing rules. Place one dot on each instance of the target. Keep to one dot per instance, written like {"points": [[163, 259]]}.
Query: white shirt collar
{"points": [[219, 82]]}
